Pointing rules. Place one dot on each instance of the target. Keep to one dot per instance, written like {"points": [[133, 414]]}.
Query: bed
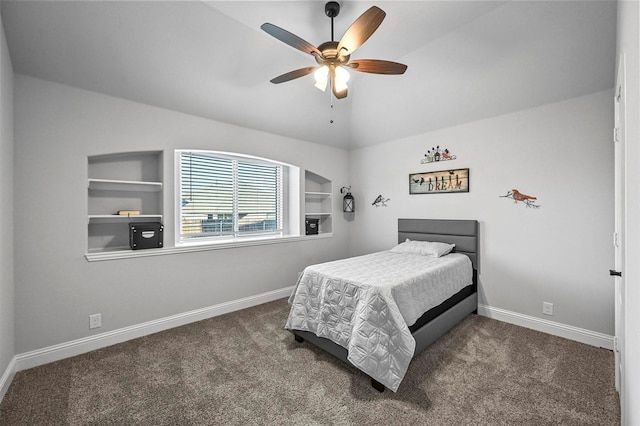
{"points": [[380, 310]]}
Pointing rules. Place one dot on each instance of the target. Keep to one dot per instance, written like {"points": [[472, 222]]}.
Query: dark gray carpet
{"points": [[244, 368]]}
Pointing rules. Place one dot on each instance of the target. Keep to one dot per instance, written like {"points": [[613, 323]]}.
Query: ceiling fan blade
{"points": [[360, 31], [290, 39], [377, 66], [291, 75]]}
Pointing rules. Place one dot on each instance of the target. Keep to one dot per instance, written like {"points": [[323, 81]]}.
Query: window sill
{"points": [[128, 254]]}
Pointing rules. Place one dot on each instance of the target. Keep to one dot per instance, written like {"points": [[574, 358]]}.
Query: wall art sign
{"points": [[444, 181], [527, 200], [437, 154]]}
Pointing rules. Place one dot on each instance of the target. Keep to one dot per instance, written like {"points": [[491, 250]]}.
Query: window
{"points": [[224, 196]]}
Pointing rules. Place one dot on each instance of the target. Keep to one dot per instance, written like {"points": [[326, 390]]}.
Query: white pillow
{"points": [[424, 248]]}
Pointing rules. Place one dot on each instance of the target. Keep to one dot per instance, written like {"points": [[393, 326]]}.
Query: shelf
{"points": [[317, 214], [317, 194], [126, 253], [124, 185], [114, 218]]}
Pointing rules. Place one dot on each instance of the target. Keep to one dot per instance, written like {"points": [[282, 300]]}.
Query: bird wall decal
{"points": [[380, 201], [517, 196], [521, 197]]}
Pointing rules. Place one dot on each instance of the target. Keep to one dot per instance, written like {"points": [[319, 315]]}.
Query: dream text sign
{"points": [[444, 181]]}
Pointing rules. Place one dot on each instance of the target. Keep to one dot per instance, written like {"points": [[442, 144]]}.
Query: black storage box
{"points": [[145, 235], [311, 226]]}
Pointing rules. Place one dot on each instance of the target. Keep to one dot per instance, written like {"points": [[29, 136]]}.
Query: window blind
{"points": [[228, 197]]}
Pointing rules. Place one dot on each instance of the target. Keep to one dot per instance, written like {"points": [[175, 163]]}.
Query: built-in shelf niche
{"points": [[318, 201], [123, 181]]}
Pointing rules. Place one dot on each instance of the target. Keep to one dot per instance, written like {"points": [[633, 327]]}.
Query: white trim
{"points": [[554, 328], [128, 254], [7, 378], [87, 344]]}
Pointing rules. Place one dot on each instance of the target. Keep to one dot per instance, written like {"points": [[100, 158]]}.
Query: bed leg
{"points": [[377, 385], [298, 338]]}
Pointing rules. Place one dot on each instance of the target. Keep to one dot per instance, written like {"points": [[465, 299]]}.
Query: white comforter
{"points": [[367, 303]]}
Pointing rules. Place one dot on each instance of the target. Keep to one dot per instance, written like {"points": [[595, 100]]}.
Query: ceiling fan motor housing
{"points": [[330, 55]]}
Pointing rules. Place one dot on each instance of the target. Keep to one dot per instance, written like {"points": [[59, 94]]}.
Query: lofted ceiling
{"points": [[467, 60]]}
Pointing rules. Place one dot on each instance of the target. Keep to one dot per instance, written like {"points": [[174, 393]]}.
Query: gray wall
{"points": [[628, 43], [561, 153], [6, 208], [56, 128]]}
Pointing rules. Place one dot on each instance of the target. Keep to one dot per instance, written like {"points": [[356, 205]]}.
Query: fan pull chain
{"points": [[330, 108]]}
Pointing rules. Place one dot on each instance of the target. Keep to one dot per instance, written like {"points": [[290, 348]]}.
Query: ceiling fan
{"points": [[333, 57]]}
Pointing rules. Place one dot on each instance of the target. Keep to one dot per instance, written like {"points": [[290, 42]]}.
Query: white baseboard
{"points": [[87, 344], [554, 328], [7, 377], [76, 347]]}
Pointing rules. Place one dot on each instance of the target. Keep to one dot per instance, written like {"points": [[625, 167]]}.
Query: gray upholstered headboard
{"points": [[463, 233]]}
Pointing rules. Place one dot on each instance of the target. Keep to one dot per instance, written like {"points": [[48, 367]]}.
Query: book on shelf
{"points": [[128, 213]]}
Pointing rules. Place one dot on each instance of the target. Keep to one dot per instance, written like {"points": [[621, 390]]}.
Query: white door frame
{"points": [[619, 137]]}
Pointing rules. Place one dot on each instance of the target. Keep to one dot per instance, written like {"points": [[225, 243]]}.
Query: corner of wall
{"points": [[7, 378], [7, 332]]}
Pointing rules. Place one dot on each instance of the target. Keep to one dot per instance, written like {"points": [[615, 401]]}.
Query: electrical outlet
{"points": [[95, 321], [547, 308]]}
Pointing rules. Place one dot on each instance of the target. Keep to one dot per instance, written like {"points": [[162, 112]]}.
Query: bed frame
{"points": [[465, 235]]}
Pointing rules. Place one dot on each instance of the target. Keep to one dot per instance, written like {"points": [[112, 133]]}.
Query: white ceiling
{"points": [[466, 60]]}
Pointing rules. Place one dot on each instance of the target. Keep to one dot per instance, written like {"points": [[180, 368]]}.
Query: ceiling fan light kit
{"points": [[333, 57], [321, 75]]}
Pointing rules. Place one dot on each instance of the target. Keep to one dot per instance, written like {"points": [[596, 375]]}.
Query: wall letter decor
{"points": [[438, 182]]}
